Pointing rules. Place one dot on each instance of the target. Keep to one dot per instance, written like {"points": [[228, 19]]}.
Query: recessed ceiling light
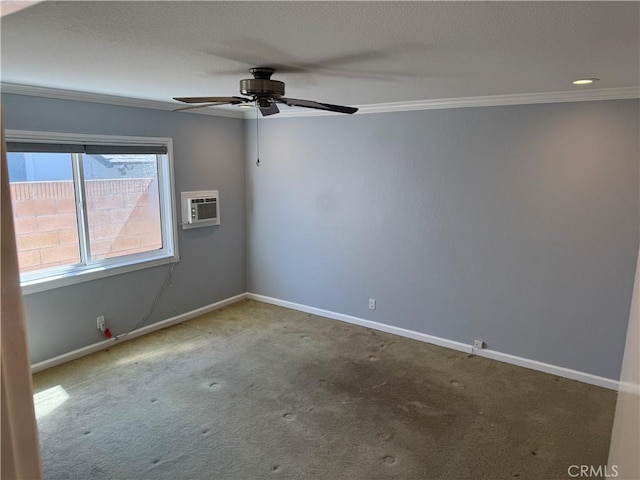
{"points": [[585, 81]]}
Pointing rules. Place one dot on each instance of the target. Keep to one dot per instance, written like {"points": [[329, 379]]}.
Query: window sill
{"points": [[88, 274]]}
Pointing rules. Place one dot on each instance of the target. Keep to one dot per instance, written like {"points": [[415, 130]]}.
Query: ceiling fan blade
{"points": [[294, 102], [272, 109], [191, 107], [232, 100], [256, 53]]}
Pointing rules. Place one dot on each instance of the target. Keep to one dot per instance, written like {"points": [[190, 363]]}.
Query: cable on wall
{"points": [[167, 282], [257, 137]]}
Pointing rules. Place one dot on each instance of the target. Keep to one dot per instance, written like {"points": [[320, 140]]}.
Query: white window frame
{"points": [[47, 279]]}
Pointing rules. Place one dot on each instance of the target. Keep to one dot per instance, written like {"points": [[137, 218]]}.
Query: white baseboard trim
{"points": [[443, 342], [549, 368], [96, 347]]}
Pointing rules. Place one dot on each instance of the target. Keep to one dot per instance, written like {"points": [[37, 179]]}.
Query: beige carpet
{"points": [[255, 391]]}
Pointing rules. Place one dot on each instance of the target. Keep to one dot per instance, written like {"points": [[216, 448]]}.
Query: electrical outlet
{"points": [[100, 323], [478, 343], [372, 304]]}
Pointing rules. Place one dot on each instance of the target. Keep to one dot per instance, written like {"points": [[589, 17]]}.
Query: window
{"points": [[85, 207]]}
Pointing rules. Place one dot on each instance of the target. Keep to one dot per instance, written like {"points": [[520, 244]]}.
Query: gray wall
{"points": [[208, 154], [516, 224]]}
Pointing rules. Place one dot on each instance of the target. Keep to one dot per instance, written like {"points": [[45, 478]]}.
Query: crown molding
{"points": [[512, 99], [593, 94], [624, 93], [60, 94]]}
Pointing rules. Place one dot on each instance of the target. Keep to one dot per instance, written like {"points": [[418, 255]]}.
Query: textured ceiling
{"points": [[353, 53]]}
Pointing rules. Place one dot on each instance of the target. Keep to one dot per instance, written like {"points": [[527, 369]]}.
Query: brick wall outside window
{"points": [[123, 216]]}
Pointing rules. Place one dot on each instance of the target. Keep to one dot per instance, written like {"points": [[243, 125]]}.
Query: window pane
{"points": [[123, 204], [44, 210]]}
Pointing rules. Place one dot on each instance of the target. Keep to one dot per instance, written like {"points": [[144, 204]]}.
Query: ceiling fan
{"points": [[266, 93]]}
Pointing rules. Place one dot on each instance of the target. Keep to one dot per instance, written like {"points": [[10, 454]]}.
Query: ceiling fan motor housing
{"points": [[261, 85]]}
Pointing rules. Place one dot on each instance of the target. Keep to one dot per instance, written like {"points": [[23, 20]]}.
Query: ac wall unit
{"points": [[200, 209]]}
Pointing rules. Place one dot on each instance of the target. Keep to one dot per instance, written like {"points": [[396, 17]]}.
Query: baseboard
{"points": [[96, 347], [549, 368], [423, 337], [443, 342]]}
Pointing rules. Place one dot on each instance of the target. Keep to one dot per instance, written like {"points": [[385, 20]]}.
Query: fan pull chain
{"points": [[257, 137]]}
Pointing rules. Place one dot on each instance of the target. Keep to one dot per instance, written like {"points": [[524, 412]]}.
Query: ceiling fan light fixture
{"points": [[585, 81], [245, 105], [264, 102]]}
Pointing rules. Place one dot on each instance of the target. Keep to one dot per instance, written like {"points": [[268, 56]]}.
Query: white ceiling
{"points": [[352, 53]]}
